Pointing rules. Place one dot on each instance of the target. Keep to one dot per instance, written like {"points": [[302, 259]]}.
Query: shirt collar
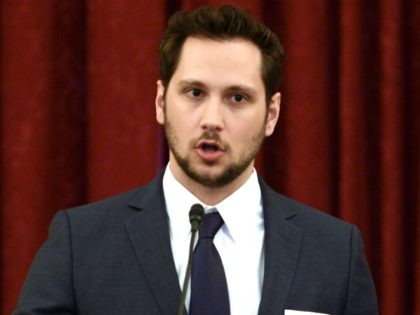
{"points": [[178, 203], [241, 211]]}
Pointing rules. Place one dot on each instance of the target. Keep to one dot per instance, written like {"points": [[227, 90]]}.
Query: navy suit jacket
{"points": [[114, 257]]}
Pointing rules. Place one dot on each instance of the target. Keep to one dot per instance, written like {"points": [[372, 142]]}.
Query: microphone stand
{"points": [[196, 218]]}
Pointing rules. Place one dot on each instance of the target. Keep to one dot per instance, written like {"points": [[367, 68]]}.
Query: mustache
{"points": [[210, 135]]}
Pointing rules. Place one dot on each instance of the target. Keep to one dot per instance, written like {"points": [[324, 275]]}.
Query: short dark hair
{"points": [[221, 23]]}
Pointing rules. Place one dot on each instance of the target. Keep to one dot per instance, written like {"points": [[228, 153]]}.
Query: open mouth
{"points": [[210, 150], [206, 147]]}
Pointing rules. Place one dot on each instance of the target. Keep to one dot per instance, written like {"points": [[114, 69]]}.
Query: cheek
{"points": [[180, 125], [241, 133], [249, 123]]}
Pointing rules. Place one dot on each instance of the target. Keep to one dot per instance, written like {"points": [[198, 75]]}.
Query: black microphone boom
{"points": [[196, 219]]}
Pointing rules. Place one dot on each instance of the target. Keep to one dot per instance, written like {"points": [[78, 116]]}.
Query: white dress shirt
{"points": [[239, 241]]}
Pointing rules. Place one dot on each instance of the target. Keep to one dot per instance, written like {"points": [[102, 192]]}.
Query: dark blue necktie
{"points": [[209, 292]]}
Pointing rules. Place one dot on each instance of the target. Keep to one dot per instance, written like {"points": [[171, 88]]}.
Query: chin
{"points": [[214, 178]]}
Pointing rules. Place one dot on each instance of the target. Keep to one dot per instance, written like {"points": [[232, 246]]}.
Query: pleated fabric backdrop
{"points": [[77, 119]]}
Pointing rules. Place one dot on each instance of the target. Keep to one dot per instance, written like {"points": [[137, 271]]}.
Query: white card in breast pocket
{"points": [[293, 312]]}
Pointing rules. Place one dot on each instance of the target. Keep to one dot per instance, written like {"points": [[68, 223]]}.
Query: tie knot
{"points": [[212, 223]]}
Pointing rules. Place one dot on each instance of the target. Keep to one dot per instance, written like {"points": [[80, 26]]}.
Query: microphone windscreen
{"points": [[196, 215]]}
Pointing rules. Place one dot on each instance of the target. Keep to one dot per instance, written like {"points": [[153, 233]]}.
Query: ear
{"points": [[160, 102], [273, 112]]}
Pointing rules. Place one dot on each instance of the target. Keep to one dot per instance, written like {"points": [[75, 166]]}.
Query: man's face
{"points": [[214, 111]]}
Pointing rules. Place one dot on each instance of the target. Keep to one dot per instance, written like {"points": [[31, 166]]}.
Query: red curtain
{"points": [[77, 93]]}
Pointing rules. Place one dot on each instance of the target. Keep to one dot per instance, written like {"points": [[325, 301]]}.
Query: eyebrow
{"points": [[191, 82], [232, 88], [242, 88]]}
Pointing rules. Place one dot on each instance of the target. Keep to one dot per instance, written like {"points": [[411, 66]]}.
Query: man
{"points": [[217, 100]]}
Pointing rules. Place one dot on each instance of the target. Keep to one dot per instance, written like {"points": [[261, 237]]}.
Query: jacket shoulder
{"points": [[304, 217], [114, 210]]}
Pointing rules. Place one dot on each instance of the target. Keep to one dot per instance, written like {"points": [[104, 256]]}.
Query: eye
{"points": [[194, 93], [238, 98]]}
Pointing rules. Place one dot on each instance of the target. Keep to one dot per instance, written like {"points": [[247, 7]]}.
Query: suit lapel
{"points": [[282, 244], [148, 232]]}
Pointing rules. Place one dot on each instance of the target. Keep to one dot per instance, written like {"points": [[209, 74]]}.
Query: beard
{"points": [[231, 171]]}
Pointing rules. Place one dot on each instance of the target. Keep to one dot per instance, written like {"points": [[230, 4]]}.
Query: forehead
{"points": [[232, 61]]}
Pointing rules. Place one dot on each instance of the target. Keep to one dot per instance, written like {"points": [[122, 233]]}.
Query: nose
{"points": [[212, 115]]}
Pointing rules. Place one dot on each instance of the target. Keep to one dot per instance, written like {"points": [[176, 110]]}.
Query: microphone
{"points": [[196, 215]]}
